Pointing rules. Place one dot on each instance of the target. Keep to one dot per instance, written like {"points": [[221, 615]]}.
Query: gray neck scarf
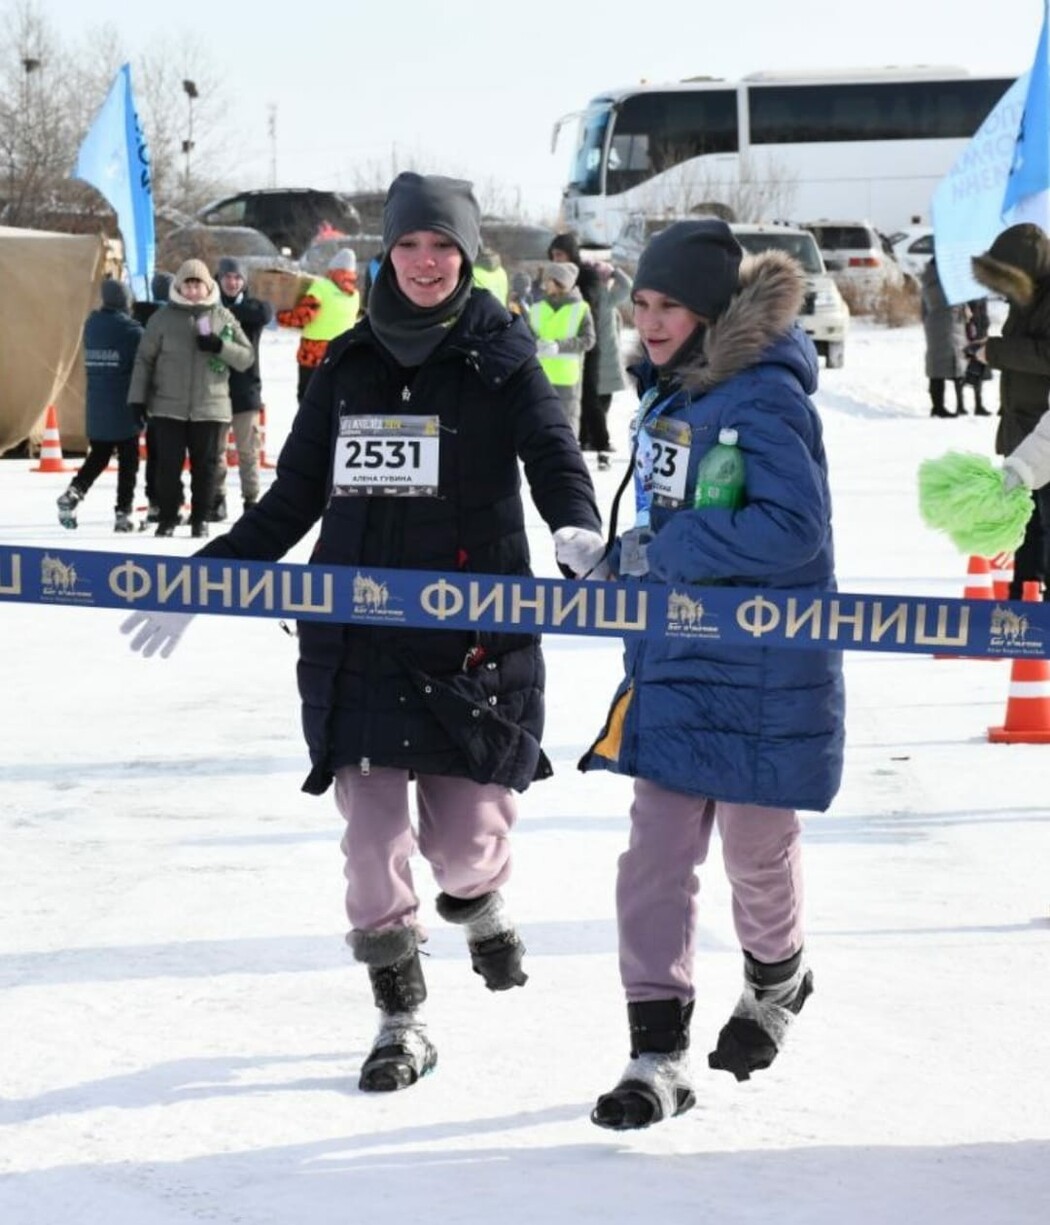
{"points": [[410, 332]]}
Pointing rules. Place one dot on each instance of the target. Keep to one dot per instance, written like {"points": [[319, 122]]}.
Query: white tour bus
{"points": [[870, 143]]}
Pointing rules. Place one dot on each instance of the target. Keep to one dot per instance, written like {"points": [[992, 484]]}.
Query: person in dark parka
{"points": [[111, 340], [445, 366], [714, 734]]}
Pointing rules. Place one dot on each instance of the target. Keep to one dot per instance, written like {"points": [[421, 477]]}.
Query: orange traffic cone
{"points": [[978, 580], [263, 461], [233, 456], [51, 446], [1002, 567], [1028, 705]]}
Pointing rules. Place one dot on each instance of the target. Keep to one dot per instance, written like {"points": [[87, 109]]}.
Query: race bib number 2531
{"points": [[386, 456]]}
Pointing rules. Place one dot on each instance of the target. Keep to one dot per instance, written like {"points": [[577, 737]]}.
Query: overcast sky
{"points": [[474, 86]]}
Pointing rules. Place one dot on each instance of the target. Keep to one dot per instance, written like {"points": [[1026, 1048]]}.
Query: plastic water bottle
{"points": [[720, 477]]}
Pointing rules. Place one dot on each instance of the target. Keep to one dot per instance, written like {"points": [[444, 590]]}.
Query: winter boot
{"points": [[123, 522], [773, 996], [604, 462], [67, 506], [218, 512], [495, 948], [198, 530], [401, 1052], [656, 1083]]}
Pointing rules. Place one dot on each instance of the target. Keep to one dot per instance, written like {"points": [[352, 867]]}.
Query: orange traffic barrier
{"points": [[233, 456], [1028, 704], [51, 446], [978, 580], [1002, 567], [263, 461]]}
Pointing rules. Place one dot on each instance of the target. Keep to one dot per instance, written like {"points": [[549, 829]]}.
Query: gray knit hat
{"points": [[433, 202], [695, 262], [563, 274], [229, 265], [115, 295]]}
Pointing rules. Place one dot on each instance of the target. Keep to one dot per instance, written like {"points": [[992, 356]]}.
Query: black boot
{"points": [[773, 996], [656, 1083], [495, 947], [401, 1052]]}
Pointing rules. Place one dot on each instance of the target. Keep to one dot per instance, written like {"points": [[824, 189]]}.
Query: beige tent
{"points": [[48, 285]]}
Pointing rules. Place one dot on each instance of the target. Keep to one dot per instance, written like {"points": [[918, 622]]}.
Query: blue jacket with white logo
{"points": [[111, 340]]}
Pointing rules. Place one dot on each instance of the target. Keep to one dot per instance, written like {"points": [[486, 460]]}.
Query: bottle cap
{"points": [[728, 437]]}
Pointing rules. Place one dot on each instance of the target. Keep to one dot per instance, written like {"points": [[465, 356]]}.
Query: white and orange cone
{"points": [[51, 446], [1028, 704]]}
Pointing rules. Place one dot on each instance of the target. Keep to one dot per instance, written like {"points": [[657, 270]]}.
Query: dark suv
{"points": [[289, 216]]}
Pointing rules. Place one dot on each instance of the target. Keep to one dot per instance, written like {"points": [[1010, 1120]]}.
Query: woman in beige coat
{"points": [[181, 380]]}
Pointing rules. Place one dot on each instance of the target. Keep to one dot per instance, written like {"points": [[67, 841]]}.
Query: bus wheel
{"points": [[835, 355]]}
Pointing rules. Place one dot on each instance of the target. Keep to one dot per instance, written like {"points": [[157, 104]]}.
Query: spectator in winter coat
{"points": [[111, 340], [564, 329], [614, 289], [182, 380], [1017, 265], [253, 314], [713, 733], [945, 328], [160, 288], [565, 248], [490, 274], [329, 307], [443, 367], [977, 373]]}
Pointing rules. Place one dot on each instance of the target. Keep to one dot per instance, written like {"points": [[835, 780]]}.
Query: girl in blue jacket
{"points": [[714, 734]]}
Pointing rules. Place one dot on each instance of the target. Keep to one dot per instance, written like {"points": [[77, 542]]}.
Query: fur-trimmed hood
{"points": [[760, 313], [1015, 264]]}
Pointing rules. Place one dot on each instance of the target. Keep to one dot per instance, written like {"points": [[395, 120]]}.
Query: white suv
{"points": [[857, 256], [824, 314]]}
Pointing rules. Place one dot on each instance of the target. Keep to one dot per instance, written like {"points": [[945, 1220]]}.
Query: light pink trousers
{"points": [[657, 885], [463, 834]]}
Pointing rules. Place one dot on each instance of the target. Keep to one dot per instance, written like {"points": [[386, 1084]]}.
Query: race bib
{"points": [[386, 456], [663, 457]]}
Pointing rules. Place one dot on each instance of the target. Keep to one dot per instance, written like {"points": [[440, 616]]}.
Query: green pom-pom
{"points": [[962, 495]]}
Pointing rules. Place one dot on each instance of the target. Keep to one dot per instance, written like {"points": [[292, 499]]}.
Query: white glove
{"points": [[546, 348], [157, 631], [1012, 479], [579, 549]]}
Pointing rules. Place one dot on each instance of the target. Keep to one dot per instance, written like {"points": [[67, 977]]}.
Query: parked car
{"points": [[913, 249], [289, 216], [824, 315], [858, 257], [211, 242], [634, 233]]}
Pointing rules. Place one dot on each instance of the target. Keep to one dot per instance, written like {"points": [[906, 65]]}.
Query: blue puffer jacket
{"points": [[747, 725], [111, 340], [460, 703]]}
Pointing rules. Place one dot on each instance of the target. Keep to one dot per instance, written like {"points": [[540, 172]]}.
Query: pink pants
{"points": [[464, 832], [657, 886]]}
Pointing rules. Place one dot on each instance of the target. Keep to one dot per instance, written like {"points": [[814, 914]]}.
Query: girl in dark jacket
{"points": [[445, 373], [714, 734]]}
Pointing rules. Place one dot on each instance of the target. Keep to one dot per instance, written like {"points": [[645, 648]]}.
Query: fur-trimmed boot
{"points": [[495, 947], [401, 1052], [773, 996], [656, 1084]]}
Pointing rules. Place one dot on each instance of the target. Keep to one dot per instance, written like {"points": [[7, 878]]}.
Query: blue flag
{"points": [[115, 161], [1030, 170], [966, 208]]}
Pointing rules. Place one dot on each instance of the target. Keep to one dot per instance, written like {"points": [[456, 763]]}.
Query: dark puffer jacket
{"points": [[1017, 265], [465, 704]]}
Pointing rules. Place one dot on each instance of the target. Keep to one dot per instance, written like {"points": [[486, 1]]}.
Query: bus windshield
{"points": [[585, 178]]}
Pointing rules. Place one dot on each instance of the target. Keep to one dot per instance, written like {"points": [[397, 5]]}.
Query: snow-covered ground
{"points": [[182, 1025]]}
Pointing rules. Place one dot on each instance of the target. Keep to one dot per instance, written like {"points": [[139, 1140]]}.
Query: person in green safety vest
{"points": [[490, 274], [329, 307], [563, 326]]}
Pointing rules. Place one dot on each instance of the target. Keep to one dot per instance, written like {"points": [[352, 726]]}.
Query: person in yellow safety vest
{"points": [[490, 274], [329, 307], [564, 329]]}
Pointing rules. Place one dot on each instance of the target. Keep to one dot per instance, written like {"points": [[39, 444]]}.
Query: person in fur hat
{"points": [[1017, 265], [714, 734], [407, 448], [181, 379]]}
